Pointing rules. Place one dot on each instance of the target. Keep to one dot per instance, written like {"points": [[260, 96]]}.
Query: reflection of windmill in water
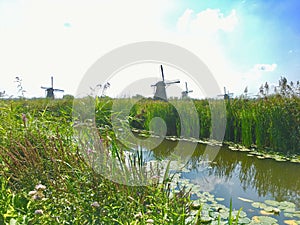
{"points": [[50, 90], [226, 95], [160, 91], [185, 93]]}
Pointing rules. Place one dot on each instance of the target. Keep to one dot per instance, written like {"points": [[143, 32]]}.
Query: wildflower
{"points": [[40, 187], [38, 212], [89, 151], [95, 204], [38, 194], [150, 221], [139, 215], [31, 193], [24, 118]]}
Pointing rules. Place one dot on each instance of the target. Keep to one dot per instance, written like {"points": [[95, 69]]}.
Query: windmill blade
{"points": [[51, 82], [190, 91], [186, 88], [44, 87], [58, 90], [162, 73], [173, 82]]}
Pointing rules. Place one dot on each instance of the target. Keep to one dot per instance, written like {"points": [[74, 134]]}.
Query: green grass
{"points": [[37, 147]]}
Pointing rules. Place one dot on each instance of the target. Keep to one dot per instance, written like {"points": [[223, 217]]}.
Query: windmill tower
{"points": [[185, 93], [226, 95], [50, 90], [160, 91]]}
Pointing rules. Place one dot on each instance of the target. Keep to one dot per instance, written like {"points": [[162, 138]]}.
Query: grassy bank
{"points": [[45, 180]]}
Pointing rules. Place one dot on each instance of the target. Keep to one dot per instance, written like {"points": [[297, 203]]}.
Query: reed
{"points": [[269, 123]]}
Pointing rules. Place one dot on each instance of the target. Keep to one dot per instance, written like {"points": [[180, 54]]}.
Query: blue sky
{"points": [[236, 39]]}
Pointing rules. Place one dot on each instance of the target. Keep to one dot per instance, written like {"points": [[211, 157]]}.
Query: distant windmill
{"points": [[2, 94], [226, 95], [50, 90], [185, 93], [160, 92]]}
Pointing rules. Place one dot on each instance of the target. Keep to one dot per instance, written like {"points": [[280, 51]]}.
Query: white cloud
{"points": [[265, 67], [208, 21]]}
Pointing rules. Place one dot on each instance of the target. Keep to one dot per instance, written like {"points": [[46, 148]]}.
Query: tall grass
{"points": [[271, 122], [37, 147]]}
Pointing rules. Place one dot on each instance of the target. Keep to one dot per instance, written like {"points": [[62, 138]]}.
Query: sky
{"points": [[243, 43]]}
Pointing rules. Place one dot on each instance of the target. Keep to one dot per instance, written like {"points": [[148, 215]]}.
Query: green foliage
{"points": [[37, 147]]}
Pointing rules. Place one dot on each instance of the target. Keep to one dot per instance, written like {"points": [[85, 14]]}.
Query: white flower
{"points": [[38, 212], [40, 187], [31, 193], [95, 204]]}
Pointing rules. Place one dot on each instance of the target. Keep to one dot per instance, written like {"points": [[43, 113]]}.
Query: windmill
{"points": [[160, 92], [50, 90], [185, 93], [2, 94], [226, 95]]}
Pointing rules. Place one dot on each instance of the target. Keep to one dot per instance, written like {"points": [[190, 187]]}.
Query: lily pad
{"points": [[266, 213], [290, 222], [288, 215], [269, 209], [244, 220], [266, 219], [259, 205], [272, 202]]}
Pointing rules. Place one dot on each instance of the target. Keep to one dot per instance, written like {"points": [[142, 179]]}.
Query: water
{"points": [[233, 174]]}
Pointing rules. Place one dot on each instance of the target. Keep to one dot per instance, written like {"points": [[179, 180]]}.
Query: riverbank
{"points": [[46, 180]]}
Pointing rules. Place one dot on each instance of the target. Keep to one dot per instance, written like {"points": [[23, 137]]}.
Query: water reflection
{"points": [[239, 174]]}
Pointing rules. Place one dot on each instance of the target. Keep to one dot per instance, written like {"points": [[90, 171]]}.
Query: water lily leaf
{"points": [[290, 222], [297, 214], [206, 219], [272, 202], [244, 220], [265, 213], [242, 214], [255, 204], [290, 210], [259, 205], [265, 219], [268, 209], [288, 215], [287, 204], [220, 199]]}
